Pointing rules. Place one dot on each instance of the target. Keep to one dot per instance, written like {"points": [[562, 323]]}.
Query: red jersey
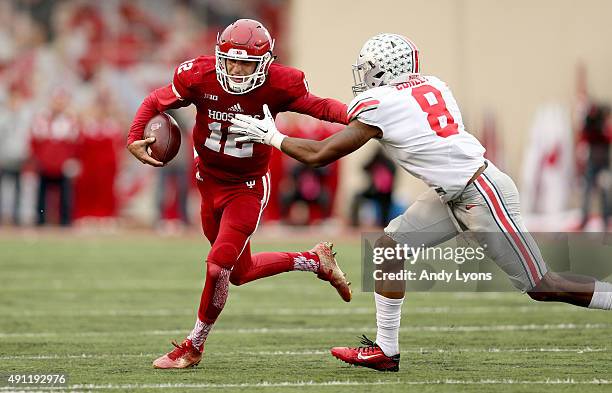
{"points": [[53, 141], [195, 82], [97, 150]]}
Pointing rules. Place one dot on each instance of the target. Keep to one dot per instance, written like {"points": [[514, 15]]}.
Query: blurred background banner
{"points": [[547, 162], [531, 77]]}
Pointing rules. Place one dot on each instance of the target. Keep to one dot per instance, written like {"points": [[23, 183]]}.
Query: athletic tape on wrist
{"points": [[277, 140]]}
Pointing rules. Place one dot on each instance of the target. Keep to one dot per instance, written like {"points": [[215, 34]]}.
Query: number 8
{"points": [[435, 111]]}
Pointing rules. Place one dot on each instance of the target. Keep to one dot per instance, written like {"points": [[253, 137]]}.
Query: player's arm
{"points": [[300, 100], [327, 109], [158, 101], [313, 153], [321, 153], [172, 96]]}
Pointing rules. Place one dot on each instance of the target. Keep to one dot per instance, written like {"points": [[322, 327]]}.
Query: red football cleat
{"points": [[183, 356], [330, 271], [370, 356]]}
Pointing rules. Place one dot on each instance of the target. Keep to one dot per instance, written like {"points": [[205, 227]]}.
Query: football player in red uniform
{"points": [[233, 177]]}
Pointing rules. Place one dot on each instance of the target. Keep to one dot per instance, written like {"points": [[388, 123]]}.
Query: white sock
{"points": [[388, 316], [199, 333], [602, 296]]}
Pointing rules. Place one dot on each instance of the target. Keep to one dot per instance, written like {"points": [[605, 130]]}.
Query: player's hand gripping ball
{"points": [[167, 136]]}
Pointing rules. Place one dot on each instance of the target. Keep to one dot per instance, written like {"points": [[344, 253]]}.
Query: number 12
{"points": [[213, 142]]}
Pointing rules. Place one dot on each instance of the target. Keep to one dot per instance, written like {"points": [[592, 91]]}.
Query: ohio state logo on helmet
{"points": [[243, 40], [383, 58]]}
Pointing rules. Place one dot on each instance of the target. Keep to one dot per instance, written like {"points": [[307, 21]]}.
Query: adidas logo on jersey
{"points": [[235, 108]]}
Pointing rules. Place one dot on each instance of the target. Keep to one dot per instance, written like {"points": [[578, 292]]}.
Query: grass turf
{"points": [[101, 309]]}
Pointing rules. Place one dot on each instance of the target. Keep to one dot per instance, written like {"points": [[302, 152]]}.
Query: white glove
{"points": [[255, 130]]}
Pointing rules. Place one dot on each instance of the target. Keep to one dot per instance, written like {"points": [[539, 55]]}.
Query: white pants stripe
{"points": [[265, 181]]}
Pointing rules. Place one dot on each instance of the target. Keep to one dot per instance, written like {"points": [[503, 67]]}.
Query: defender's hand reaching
{"points": [[255, 130]]}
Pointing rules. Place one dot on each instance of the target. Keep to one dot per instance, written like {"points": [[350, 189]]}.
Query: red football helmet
{"points": [[246, 40]]}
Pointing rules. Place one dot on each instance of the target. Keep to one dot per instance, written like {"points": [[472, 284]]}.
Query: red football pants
{"points": [[230, 214]]}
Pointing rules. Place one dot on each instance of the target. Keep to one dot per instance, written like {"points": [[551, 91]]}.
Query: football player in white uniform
{"points": [[417, 120]]}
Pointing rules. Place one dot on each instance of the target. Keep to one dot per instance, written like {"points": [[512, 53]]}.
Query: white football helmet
{"points": [[382, 58]]}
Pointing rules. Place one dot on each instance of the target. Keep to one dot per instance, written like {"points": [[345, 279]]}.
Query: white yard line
{"points": [[295, 311], [288, 384], [309, 352], [296, 330]]}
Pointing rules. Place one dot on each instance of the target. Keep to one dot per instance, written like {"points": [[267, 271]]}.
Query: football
{"points": [[167, 137]]}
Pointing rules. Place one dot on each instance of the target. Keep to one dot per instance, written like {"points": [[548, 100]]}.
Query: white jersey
{"points": [[422, 131]]}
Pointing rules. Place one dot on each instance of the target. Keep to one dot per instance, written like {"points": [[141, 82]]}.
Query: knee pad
{"points": [[225, 255]]}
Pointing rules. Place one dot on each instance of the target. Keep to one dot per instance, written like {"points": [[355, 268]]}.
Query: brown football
{"points": [[167, 137]]}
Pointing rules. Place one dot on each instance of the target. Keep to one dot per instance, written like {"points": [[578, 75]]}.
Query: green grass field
{"points": [[101, 309]]}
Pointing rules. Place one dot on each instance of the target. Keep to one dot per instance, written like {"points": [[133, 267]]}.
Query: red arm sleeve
{"points": [[158, 101], [327, 109]]}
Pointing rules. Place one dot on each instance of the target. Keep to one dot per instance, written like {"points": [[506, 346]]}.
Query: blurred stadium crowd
{"points": [[72, 73]]}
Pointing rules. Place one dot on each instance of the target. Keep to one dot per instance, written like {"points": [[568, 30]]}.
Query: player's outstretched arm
{"points": [[327, 109], [321, 153], [313, 153]]}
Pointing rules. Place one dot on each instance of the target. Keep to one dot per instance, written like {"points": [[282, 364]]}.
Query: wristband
{"points": [[277, 140]]}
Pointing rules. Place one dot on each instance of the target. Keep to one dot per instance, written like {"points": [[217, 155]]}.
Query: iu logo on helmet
{"points": [[250, 183]]}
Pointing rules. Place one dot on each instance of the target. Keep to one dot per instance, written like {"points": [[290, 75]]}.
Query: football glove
{"points": [[256, 130]]}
